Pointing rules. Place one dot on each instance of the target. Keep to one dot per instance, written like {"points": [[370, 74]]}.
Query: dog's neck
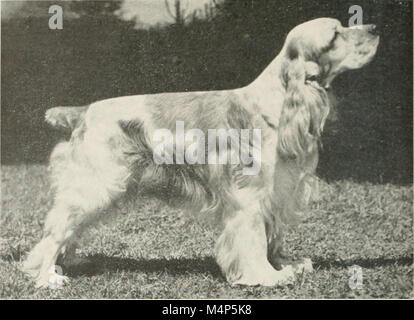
{"points": [[267, 92]]}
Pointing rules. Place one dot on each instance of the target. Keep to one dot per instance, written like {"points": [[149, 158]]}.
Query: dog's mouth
{"points": [[369, 47], [312, 80], [317, 82], [374, 44], [366, 52]]}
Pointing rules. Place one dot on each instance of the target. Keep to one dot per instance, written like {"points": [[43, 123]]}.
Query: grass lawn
{"points": [[150, 251]]}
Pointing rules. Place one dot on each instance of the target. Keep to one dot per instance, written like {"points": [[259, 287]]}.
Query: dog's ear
{"points": [[305, 107]]}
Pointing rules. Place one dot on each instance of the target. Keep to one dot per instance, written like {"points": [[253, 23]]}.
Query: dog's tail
{"points": [[66, 118]]}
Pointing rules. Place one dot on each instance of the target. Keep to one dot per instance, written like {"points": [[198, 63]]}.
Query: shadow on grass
{"points": [[322, 264], [99, 264]]}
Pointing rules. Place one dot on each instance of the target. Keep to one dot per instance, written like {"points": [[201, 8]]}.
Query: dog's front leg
{"points": [[279, 259], [242, 252]]}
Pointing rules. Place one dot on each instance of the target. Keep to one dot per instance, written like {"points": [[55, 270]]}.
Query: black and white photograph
{"points": [[206, 149]]}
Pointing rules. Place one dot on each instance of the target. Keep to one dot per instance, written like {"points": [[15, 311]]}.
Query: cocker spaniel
{"points": [[283, 111]]}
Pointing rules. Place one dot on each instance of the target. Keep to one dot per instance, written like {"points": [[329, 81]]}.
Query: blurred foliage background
{"points": [[98, 56]]}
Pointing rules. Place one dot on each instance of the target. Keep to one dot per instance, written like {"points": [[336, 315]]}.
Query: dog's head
{"points": [[314, 53], [328, 48]]}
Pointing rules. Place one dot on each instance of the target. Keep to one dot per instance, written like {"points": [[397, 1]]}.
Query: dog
{"points": [[112, 148]]}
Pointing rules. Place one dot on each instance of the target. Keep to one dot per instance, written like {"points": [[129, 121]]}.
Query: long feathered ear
{"points": [[305, 107]]}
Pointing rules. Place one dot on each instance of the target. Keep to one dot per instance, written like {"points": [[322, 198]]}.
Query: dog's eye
{"points": [[332, 42], [335, 36]]}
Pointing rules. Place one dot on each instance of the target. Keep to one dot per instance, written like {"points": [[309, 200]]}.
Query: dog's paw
{"points": [[304, 266], [52, 281], [30, 271], [269, 278], [53, 278], [280, 278]]}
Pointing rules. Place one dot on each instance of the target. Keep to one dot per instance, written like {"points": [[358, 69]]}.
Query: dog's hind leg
{"points": [[58, 230], [68, 256], [89, 175], [242, 252]]}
